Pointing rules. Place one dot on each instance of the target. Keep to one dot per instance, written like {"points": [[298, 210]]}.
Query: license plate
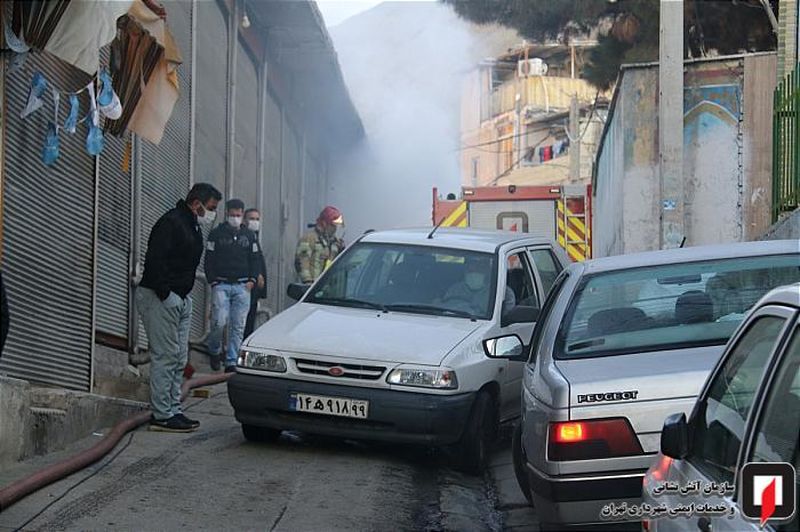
{"points": [[331, 406]]}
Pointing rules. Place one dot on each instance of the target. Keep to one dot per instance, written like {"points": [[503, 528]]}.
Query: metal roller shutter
{"points": [[291, 198], [165, 167], [245, 181], [114, 235], [211, 94], [48, 268], [271, 223]]}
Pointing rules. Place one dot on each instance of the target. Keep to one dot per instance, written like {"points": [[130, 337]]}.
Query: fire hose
{"points": [[44, 477]]}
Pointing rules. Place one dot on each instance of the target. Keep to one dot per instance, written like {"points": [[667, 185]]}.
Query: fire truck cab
{"points": [[561, 213]]}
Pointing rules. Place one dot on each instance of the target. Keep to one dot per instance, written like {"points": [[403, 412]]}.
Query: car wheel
{"points": [[472, 452], [260, 434], [520, 469]]}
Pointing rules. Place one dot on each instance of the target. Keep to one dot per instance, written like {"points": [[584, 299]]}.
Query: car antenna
{"points": [[683, 242], [430, 235]]}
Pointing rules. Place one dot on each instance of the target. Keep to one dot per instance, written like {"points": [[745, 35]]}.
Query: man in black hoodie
{"points": [[232, 256], [173, 254]]}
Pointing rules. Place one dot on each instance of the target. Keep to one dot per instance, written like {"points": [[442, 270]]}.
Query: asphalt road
{"points": [[215, 480]]}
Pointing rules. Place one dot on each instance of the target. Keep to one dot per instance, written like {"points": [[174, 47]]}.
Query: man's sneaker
{"points": [[230, 369], [192, 422], [215, 362], [173, 424]]}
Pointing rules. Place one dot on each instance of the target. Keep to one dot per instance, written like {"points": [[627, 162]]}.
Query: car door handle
{"points": [[704, 524]]}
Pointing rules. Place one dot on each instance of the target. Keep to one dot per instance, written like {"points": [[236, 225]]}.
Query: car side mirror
{"points": [[506, 347], [675, 437], [519, 314], [296, 291]]}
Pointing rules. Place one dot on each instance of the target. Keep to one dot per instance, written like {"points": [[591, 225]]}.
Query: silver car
{"points": [[623, 342], [747, 413]]}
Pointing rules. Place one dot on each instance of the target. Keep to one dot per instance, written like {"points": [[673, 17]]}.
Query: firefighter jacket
{"points": [[315, 252], [232, 255]]}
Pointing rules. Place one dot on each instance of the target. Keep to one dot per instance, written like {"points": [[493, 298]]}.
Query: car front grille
{"points": [[349, 371]]}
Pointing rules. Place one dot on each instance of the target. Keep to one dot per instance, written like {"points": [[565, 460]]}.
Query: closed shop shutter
{"points": [[211, 94], [292, 180], [245, 179], [313, 191], [165, 167], [48, 266], [114, 235], [271, 230]]}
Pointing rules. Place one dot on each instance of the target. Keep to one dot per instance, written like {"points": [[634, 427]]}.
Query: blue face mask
{"points": [[50, 152]]}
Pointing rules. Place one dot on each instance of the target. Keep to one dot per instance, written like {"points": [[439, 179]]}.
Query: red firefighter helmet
{"points": [[331, 215]]}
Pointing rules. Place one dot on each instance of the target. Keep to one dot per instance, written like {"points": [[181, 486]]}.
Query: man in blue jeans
{"points": [[232, 267], [173, 254]]}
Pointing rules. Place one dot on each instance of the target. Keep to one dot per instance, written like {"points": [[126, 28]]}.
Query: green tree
{"points": [[629, 28]]}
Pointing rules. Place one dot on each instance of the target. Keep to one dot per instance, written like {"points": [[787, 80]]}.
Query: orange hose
{"points": [[22, 488]]}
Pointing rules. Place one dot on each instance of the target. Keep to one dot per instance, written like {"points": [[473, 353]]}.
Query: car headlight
{"points": [[262, 361], [443, 379]]}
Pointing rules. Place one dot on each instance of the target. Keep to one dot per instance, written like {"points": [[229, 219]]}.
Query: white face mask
{"points": [[254, 225], [235, 221], [208, 217], [475, 280]]}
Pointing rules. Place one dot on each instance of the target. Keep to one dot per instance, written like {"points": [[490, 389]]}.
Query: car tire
{"points": [[260, 434], [520, 468], [472, 452]]}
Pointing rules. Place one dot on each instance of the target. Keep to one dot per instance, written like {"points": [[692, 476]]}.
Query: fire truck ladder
{"points": [[573, 226]]}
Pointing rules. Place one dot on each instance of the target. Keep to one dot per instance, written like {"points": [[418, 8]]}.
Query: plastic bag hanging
{"points": [[38, 86], [51, 151], [107, 100], [94, 139], [72, 118]]}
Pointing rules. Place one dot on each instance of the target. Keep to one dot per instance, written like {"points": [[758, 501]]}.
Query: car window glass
{"points": [[779, 428], [547, 266], [721, 417], [519, 283], [544, 315], [673, 306]]}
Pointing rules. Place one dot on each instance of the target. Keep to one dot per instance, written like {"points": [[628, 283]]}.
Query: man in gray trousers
{"points": [[173, 254]]}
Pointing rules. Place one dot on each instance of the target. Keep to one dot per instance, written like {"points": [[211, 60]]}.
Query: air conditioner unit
{"points": [[531, 67]]}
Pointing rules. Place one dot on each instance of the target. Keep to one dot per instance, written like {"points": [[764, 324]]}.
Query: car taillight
{"points": [[592, 438]]}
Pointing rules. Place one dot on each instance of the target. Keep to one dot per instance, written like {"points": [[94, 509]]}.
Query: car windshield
{"points": [[672, 306], [415, 279]]}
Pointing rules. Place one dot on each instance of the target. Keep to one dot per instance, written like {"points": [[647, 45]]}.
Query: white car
{"points": [[747, 413], [394, 343]]}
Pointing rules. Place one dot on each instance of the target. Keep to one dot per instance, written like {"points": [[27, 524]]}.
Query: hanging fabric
{"points": [[107, 101], [94, 139], [13, 41], [34, 21], [134, 56], [71, 123]]}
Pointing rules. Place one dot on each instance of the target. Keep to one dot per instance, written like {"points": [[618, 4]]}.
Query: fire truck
{"points": [[560, 213]]}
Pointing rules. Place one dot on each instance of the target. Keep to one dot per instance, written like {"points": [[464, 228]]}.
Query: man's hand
{"points": [[249, 286], [260, 281]]}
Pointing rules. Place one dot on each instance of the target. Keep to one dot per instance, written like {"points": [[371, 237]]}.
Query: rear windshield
{"points": [[673, 306]]}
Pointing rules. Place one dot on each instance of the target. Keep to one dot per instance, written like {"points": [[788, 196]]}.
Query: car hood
{"points": [[363, 334]]}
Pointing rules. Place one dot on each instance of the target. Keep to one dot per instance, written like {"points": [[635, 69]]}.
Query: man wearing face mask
{"points": [[317, 249], [252, 219], [472, 293], [232, 256], [173, 254]]}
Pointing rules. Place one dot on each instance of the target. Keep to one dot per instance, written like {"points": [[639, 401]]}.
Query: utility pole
{"points": [[670, 123], [574, 141]]}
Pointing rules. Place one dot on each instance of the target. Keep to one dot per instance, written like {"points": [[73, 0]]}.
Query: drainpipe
{"points": [[233, 48], [95, 235], [193, 97], [135, 267]]}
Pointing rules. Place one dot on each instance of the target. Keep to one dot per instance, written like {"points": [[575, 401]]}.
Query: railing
{"points": [[786, 146]]}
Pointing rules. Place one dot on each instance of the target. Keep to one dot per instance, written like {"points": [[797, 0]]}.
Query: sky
{"points": [[336, 11]]}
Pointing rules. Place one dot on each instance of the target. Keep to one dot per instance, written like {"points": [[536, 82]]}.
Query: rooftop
{"points": [[468, 239], [692, 254]]}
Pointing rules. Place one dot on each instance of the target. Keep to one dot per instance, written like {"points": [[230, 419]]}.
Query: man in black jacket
{"points": [[232, 255], [252, 219], [173, 254]]}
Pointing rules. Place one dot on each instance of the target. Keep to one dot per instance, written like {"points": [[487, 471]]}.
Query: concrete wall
{"points": [[727, 156]]}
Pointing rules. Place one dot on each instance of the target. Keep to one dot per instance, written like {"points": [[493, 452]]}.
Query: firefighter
{"points": [[317, 249]]}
